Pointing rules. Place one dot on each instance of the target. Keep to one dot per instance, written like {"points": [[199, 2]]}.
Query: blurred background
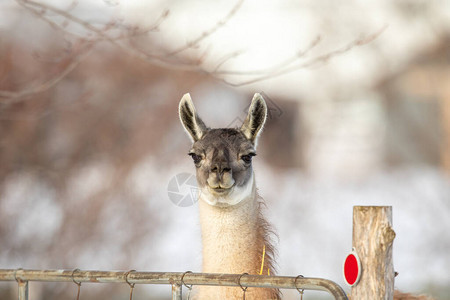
{"points": [[359, 114]]}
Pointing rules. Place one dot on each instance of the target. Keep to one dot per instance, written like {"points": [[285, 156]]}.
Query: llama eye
{"points": [[196, 158], [247, 158]]}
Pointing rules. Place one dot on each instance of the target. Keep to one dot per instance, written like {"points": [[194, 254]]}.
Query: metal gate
{"points": [[177, 280]]}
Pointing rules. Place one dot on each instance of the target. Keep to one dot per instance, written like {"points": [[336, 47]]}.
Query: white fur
{"points": [[228, 235], [234, 197]]}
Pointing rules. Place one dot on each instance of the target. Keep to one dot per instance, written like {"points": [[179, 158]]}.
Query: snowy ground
{"points": [[313, 218]]}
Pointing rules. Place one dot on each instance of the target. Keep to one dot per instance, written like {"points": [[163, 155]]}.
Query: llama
{"points": [[235, 235]]}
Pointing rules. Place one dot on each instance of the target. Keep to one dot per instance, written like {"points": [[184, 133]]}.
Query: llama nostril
{"points": [[220, 169]]}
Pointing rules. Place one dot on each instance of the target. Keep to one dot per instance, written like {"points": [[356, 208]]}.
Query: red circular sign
{"points": [[352, 269]]}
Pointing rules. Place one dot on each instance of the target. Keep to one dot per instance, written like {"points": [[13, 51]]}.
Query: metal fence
{"points": [[177, 280]]}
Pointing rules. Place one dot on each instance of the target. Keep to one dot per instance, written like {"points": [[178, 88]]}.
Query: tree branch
{"points": [[211, 31], [276, 71], [169, 59]]}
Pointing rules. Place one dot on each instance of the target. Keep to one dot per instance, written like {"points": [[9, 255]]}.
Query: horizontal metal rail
{"points": [[174, 279]]}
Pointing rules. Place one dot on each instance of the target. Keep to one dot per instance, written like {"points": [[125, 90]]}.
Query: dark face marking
{"points": [[223, 152]]}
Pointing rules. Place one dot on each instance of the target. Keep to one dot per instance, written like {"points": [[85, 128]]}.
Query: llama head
{"points": [[223, 156]]}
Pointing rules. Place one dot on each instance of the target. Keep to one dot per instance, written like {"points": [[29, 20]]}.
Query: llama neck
{"points": [[234, 237]]}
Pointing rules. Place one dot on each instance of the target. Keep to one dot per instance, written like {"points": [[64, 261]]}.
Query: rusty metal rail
{"points": [[22, 277]]}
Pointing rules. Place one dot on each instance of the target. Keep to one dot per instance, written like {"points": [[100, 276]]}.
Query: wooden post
{"points": [[445, 117], [373, 237]]}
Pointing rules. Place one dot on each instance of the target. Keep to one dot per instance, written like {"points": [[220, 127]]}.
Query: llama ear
{"points": [[256, 118], [192, 123]]}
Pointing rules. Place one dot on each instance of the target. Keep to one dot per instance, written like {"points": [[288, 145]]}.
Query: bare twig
{"points": [[314, 61], [208, 33], [160, 59], [163, 59], [136, 30], [279, 66], [225, 59], [102, 35], [40, 13]]}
